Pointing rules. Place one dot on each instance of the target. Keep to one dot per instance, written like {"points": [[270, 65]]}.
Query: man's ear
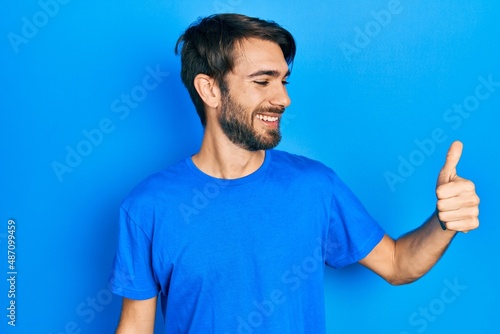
{"points": [[207, 88]]}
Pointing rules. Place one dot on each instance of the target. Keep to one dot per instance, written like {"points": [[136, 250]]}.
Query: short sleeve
{"points": [[132, 271], [352, 232]]}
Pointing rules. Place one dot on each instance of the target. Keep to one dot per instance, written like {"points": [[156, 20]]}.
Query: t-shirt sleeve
{"points": [[352, 232], [132, 271]]}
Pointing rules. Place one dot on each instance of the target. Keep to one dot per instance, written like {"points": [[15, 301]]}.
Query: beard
{"points": [[240, 130]]}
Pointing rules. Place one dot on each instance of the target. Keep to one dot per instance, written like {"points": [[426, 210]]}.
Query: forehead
{"points": [[256, 54]]}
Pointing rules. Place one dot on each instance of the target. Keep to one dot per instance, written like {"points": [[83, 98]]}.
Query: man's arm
{"points": [[408, 258], [137, 317]]}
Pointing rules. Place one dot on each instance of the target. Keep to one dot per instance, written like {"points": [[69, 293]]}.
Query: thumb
{"points": [[449, 170]]}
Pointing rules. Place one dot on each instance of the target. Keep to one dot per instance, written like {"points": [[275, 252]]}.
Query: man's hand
{"points": [[408, 258], [457, 201]]}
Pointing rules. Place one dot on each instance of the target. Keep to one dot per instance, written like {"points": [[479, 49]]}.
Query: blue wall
{"points": [[91, 103]]}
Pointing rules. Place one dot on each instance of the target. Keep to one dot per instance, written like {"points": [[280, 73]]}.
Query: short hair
{"points": [[208, 46]]}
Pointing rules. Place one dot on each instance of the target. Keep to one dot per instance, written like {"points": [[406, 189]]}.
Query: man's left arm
{"points": [[408, 258]]}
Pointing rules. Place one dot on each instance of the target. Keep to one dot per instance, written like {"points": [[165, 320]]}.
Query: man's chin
{"points": [[270, 141]]}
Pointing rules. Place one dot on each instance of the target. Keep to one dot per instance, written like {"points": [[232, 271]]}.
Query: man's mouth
{"points": [[267, 118], [269, 121]]}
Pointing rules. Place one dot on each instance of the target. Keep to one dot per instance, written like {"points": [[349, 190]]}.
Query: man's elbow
{"points": [[401, 279]]}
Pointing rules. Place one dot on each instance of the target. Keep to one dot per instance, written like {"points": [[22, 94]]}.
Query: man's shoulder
{"points": [[293, 168], [300, 163], [159, 184]]}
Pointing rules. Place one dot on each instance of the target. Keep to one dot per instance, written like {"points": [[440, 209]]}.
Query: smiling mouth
{"points": [[266, 118]]}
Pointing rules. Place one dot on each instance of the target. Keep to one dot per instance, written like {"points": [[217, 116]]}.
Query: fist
{"points": [[457, 201]]}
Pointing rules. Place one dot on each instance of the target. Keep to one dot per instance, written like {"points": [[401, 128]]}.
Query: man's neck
{"points": [[221, 158]]}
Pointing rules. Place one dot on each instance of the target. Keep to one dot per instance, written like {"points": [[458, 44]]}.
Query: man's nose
{"points": [[280, 97]]}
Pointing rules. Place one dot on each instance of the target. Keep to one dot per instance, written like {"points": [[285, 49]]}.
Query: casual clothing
{"points": [[243, 255]]}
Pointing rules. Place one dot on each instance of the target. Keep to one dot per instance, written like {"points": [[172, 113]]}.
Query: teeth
{"points": [[267, 118]]}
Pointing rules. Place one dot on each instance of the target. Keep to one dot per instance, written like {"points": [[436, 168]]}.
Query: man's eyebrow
{"points": [[271, 73]]}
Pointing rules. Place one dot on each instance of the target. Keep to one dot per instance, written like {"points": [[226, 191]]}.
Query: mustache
{"points": [[270, 110]]}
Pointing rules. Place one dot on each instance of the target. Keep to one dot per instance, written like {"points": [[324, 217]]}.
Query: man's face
{"points": [[251, 109]]}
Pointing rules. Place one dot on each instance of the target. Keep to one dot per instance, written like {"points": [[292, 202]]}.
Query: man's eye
{"points": [[285, 82], [262, 83]]}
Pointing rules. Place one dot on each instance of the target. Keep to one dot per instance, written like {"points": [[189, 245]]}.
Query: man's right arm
{"points": [[137, 317]]}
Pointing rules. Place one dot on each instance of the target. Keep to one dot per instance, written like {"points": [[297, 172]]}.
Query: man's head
{"points": [[211, 47]]}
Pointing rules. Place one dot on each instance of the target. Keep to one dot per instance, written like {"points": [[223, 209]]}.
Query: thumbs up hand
{"points": [[457, 201]]}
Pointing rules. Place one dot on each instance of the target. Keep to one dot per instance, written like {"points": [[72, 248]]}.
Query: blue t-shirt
{"points": [[244, 255]]}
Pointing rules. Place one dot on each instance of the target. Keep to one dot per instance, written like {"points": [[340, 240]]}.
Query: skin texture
{"points": [[137, 317], [257, 85]]}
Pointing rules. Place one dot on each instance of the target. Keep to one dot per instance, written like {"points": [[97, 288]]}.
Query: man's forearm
{"points": [[408, 258], [417, 251]]}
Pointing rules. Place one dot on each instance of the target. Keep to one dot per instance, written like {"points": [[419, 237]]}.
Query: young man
{"points": [[234, 238]]}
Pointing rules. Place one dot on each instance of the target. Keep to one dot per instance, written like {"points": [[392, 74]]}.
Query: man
{"points": [[234, 238]]}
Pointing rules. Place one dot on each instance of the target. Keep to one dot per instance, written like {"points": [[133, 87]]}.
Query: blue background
{"points": [[361, 113]]}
